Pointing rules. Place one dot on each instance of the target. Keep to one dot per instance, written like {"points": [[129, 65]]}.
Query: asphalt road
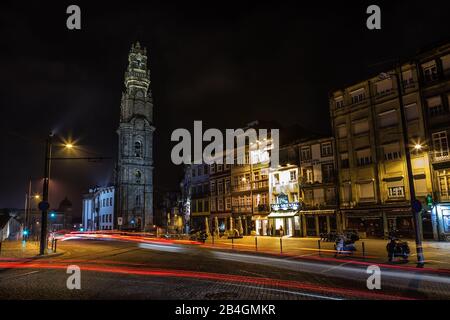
{"points": [[112, 269]]}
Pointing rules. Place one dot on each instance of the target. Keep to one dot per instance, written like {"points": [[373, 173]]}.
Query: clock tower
{"points": [[135, 159]]}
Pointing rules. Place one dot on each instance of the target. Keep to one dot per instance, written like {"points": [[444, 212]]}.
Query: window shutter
{"points": [[388, 118], [361, 126]]}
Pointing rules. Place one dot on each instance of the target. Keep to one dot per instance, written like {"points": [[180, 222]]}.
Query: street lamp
{"points": [[415, 204]]}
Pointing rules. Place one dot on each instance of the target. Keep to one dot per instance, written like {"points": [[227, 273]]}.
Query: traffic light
{"points": [[25, 232], [52, 214], [429, 200]]}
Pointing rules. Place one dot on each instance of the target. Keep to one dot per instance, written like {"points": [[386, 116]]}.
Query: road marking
{"points": [[19, 275], [335, 267]]}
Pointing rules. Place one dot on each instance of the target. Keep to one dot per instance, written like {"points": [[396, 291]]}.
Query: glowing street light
{"points": [[68, 145], [418, 147]]}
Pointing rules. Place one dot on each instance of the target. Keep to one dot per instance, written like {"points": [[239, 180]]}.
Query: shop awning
{"points": [[286, 214]]}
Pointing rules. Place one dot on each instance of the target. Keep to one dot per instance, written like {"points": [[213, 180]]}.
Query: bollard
{"points": [[0, 247], [318, 244], [256, 243], [232, 243], [281, 245], [213, 239], [363, 249], [56, 240]]}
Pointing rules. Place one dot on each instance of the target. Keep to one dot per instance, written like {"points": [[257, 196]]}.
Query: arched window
{"points": [[138, 149], [138, 176]]}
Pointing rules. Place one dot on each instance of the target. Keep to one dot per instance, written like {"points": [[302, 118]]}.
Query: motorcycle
{"points": [[396, 248], [199, 236], [345, 246]]}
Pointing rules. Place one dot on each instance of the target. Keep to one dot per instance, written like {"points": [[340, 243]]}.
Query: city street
{"points": [[160, 269]]}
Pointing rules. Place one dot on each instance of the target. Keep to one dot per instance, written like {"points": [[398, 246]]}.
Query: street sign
{"points": [[44, 206], [119, 221], [417, 205]]}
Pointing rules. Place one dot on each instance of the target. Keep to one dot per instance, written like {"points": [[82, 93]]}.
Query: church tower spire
{"points": [[135, 159]]}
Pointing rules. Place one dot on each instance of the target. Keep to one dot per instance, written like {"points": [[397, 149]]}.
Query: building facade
{"points": [[373, 178], [317, 185], [284, 195], [433, 68], [199, 197], [98, 209], [220, 199], [135, 159]]}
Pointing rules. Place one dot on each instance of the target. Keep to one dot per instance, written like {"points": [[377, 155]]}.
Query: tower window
{"points": [[138, 201], [138, 149], [138, 176]]}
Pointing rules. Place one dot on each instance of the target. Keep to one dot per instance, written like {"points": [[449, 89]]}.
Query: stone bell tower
{"points": [[135, 160]]}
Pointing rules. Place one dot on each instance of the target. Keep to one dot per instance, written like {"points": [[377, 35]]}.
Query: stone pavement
{"points": [[21, 249], [437, 254]]}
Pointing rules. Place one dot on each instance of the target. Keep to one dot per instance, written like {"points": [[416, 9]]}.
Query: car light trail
{"points": [[286, 284]]}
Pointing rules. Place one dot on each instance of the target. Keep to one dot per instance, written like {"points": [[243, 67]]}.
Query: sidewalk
{"points": [[22, 250], [437, 254]]}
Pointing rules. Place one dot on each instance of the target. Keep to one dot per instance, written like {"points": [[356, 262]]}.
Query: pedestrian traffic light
{"points": [[25, 232], [52, 214], [429, 200]]}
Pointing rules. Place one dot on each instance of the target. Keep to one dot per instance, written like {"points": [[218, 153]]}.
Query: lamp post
{"points": [[44, 205], [415, 204]]}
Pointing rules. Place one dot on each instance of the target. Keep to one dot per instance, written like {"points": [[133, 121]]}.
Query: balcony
{"points": [[242, 209], [440, 162], [262, 208]]}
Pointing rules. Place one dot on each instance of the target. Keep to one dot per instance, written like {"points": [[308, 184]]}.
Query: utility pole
{"points": [[415, 212], [44, 205]]}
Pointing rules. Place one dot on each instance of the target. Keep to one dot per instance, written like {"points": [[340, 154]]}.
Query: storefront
{"points": [[284, 223], [261, 225], [368, 224], [316, 222], [441, 214]]}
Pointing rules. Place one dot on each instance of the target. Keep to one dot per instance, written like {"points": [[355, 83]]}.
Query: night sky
{"points": [[226, 63]]}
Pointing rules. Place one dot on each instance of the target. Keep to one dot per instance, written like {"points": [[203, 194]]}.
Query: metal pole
{"points": [[364, 249], [281, 245], [318, 244], [419, 248], [48, 151], [256, 243]]}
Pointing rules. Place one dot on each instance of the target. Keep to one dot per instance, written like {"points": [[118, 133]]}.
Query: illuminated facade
{"points": [[250, 193], [373, 177], [221, 220], [135, 159], [284, 191], [318, 186], [98, 209], [434, 76]]}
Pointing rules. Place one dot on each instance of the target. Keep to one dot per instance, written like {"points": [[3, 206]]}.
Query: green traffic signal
{"points": [[429, 200]]}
